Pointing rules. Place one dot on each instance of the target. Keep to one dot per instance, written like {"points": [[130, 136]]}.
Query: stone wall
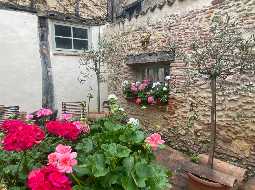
{"points": [[185, 122]]}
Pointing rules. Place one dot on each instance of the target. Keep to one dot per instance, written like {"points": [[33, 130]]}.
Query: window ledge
{"points": [[68, 53], [153, 57]]}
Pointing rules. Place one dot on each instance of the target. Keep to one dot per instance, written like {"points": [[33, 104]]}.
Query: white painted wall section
{"points": [[20, 66], [66, 71]]}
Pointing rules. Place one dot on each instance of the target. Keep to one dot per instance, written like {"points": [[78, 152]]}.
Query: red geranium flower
{"points": [[48, 178], [12, 125], [22, 137], [64, 129]]}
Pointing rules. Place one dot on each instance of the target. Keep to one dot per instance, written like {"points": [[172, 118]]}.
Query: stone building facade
{"points": [[185, 122]]}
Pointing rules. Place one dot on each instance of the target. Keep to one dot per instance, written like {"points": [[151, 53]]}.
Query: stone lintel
{"points": [[154, 57]]}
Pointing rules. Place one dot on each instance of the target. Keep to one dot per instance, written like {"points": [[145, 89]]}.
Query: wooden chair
{"points": [[6, 112], [106, 106], [77, 109]]}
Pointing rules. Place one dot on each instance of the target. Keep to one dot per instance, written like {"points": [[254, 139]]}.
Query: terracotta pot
{"points": [[197, 183], [159, 103], [226, 168]]}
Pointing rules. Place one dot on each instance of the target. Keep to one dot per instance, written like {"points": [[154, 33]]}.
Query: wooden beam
{"points": [[110, 10], [72, 18], [154, 57], [47, 78], [77, 8]]}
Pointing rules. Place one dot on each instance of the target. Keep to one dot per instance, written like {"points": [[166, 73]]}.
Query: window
{"points": [[71, 37], [153, 72]]}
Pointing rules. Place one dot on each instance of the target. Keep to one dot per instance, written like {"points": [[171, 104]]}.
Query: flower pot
{"points": [[159, 103], [226, 168], [130, 99], [197, 183]]}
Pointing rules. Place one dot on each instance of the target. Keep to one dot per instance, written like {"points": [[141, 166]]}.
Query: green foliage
{"points": [[117, 159], [114, 156], [142, 90], [194, 158], [15, 166]]}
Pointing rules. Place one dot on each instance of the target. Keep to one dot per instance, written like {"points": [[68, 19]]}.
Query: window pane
{"points": [[151, 74], [161, 74], [63, 43], [61, 30], [80, 33], [80, 44]]}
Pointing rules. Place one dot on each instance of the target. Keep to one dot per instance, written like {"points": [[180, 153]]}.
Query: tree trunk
{"points": [[47, 78], [98, 72], [98, 95], [213, 124]]}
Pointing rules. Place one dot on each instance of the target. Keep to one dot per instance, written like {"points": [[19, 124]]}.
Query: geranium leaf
{"points": [[128, 183]]}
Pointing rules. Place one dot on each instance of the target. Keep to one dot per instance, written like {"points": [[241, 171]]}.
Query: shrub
{"points": [[110, 154]]}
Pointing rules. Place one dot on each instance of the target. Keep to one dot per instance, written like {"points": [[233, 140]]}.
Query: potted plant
{"points": [[146, 92], [222, 55], [93, 62]]}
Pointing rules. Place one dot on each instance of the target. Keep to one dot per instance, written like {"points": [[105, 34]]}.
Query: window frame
{"points": [[59, 50], [142, 68]]}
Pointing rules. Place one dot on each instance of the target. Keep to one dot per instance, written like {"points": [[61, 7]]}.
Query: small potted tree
{"points": [[92, 63], [219, 58]]}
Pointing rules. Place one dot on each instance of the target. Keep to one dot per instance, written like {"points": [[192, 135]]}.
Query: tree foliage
{"points": [[225, 58]]}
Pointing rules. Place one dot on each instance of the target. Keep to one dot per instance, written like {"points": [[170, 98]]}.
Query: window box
{"points": [[146, 92]]}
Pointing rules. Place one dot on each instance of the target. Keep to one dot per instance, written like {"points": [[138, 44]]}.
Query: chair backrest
{"points": [[77, 109], [6, 112], [106, 105]]}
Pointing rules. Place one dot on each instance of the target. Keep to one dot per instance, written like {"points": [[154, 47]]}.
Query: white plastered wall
{"points": [[20, 67], [66, 70]]}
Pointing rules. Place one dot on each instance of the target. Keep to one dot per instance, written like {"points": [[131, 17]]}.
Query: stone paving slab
{"points": [[250, 185], [171, 158]]}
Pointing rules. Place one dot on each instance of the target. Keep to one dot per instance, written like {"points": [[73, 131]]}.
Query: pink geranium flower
{"points": [[66, 116], [63, 159], [138, 101], [66, 162], [44, 112], [150, 100], [154, 141], [142, 87], [134, 89], [62, 149], [53, 159], [83, 127], [29, 116], [146, 81]]}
